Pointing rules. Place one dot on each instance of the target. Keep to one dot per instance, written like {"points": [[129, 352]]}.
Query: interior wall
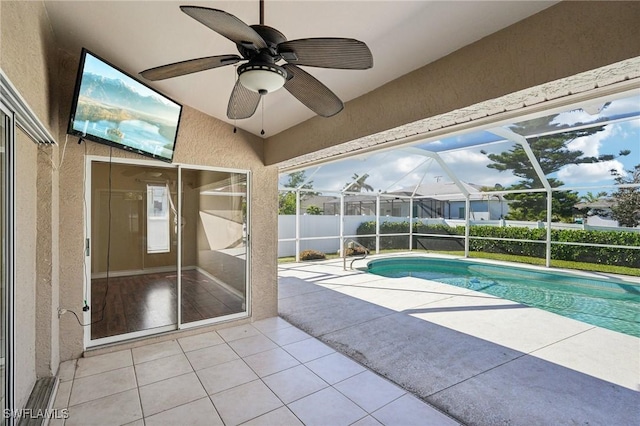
{"points": [[28, 57], [189, 226], [560, 41], [128, 251], [202, 140]]}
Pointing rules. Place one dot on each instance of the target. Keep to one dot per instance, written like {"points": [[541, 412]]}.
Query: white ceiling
{"points": [[402, 36]]}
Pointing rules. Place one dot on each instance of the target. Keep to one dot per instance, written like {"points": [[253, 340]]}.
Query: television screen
{"points": [[113, 108]]}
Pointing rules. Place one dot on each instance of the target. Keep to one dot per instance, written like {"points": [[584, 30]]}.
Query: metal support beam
{"points": [[410, 223], [444, 166], [342, 224], [308, 179], [467, 224], [548, 247], [522, 141], [378, 223], [297, 225]]}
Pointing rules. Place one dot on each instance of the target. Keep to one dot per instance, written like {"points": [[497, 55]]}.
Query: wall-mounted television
{"points": [[111, 107]]}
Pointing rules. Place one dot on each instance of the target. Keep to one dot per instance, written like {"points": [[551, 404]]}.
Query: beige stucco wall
{"points": [[28, 57], [563, 40], [202, 140], [26, 241]]}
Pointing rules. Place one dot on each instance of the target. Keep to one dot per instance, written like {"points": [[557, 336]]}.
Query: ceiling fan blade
{"points": [[226, 25], [311, 92], [339, 53], [242, 103], [188, 67]]}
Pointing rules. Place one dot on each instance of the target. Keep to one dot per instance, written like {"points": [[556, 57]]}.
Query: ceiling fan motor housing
{"points": [[262, 75]]}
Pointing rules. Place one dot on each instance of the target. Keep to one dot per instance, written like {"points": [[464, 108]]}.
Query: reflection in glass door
{"points": [[133, 249], [214, 245]]}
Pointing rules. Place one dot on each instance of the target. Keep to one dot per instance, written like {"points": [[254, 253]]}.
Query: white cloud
{"points": [[471, 167], [622, 106], [590, 145], [589, 173], [616, 107], [634, 123], [572, 117]]}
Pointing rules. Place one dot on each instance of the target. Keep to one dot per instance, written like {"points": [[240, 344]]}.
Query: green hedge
{"points": [[609, 256]]}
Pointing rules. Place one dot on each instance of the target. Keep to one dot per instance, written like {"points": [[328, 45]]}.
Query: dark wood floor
{"points": [[143, 302]]}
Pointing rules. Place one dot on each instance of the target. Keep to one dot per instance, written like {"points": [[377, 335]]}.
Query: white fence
{"points": [[322, 232]]}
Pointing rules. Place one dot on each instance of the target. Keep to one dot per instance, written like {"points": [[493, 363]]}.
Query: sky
{"points": [[96, 66], [402, 168]]}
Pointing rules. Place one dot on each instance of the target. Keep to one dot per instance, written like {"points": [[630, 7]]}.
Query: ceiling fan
{"points": [[263, 47]]}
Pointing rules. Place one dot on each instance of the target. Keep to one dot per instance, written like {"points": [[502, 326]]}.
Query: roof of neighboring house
{"points": [[446, 191], [441, 191], [600, 203]]}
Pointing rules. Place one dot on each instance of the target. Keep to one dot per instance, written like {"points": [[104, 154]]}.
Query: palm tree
{"points": [[358, 183]]}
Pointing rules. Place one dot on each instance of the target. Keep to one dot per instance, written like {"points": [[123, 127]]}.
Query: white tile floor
{"points": [[268, 373]]}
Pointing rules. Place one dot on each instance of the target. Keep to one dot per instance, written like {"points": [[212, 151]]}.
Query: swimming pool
{"points": [[608, 303]]}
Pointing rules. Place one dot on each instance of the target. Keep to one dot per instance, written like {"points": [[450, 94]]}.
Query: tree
{"points": [[287, 203], [358, 183], [287, 200], [626, 207], [552, 153], [314, 210]]}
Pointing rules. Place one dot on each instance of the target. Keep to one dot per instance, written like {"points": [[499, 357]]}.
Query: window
{"points": [[158, 229]]}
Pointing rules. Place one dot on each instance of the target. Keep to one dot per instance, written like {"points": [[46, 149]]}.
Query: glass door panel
{"points": [[134, 248], [214, 244], [3, 277]]}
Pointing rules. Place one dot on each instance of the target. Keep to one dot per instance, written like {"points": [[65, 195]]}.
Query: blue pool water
{"points": [[607, 303]]}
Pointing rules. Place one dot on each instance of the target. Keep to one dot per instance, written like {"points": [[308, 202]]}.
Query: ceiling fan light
{"points": [[262, 78]]}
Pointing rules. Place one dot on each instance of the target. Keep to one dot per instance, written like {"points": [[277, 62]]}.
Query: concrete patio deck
{"points": [[481, 359]]}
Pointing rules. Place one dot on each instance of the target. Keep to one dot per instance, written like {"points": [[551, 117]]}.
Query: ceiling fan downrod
{"points": [[261, 12]]}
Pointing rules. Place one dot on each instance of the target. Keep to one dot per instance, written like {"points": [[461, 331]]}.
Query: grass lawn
{"points": [[565, 264]]}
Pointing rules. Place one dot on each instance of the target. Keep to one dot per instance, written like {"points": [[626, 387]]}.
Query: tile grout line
{"points": [[406, 392], [135, 375], [329, 385], [391, 382], [262, 380], [73, 379], [198, 377]]}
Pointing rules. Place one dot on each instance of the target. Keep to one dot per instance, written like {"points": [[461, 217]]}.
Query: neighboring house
{"points": [[435, 200], [597, 208], [597, 212]]}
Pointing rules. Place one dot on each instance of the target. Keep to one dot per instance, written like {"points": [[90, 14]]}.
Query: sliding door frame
{"points": [[179, 325], [247, 280], [8, 299]]}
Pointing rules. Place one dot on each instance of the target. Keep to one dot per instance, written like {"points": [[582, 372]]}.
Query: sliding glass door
{"points": [[168, 248], [214, 244]]}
